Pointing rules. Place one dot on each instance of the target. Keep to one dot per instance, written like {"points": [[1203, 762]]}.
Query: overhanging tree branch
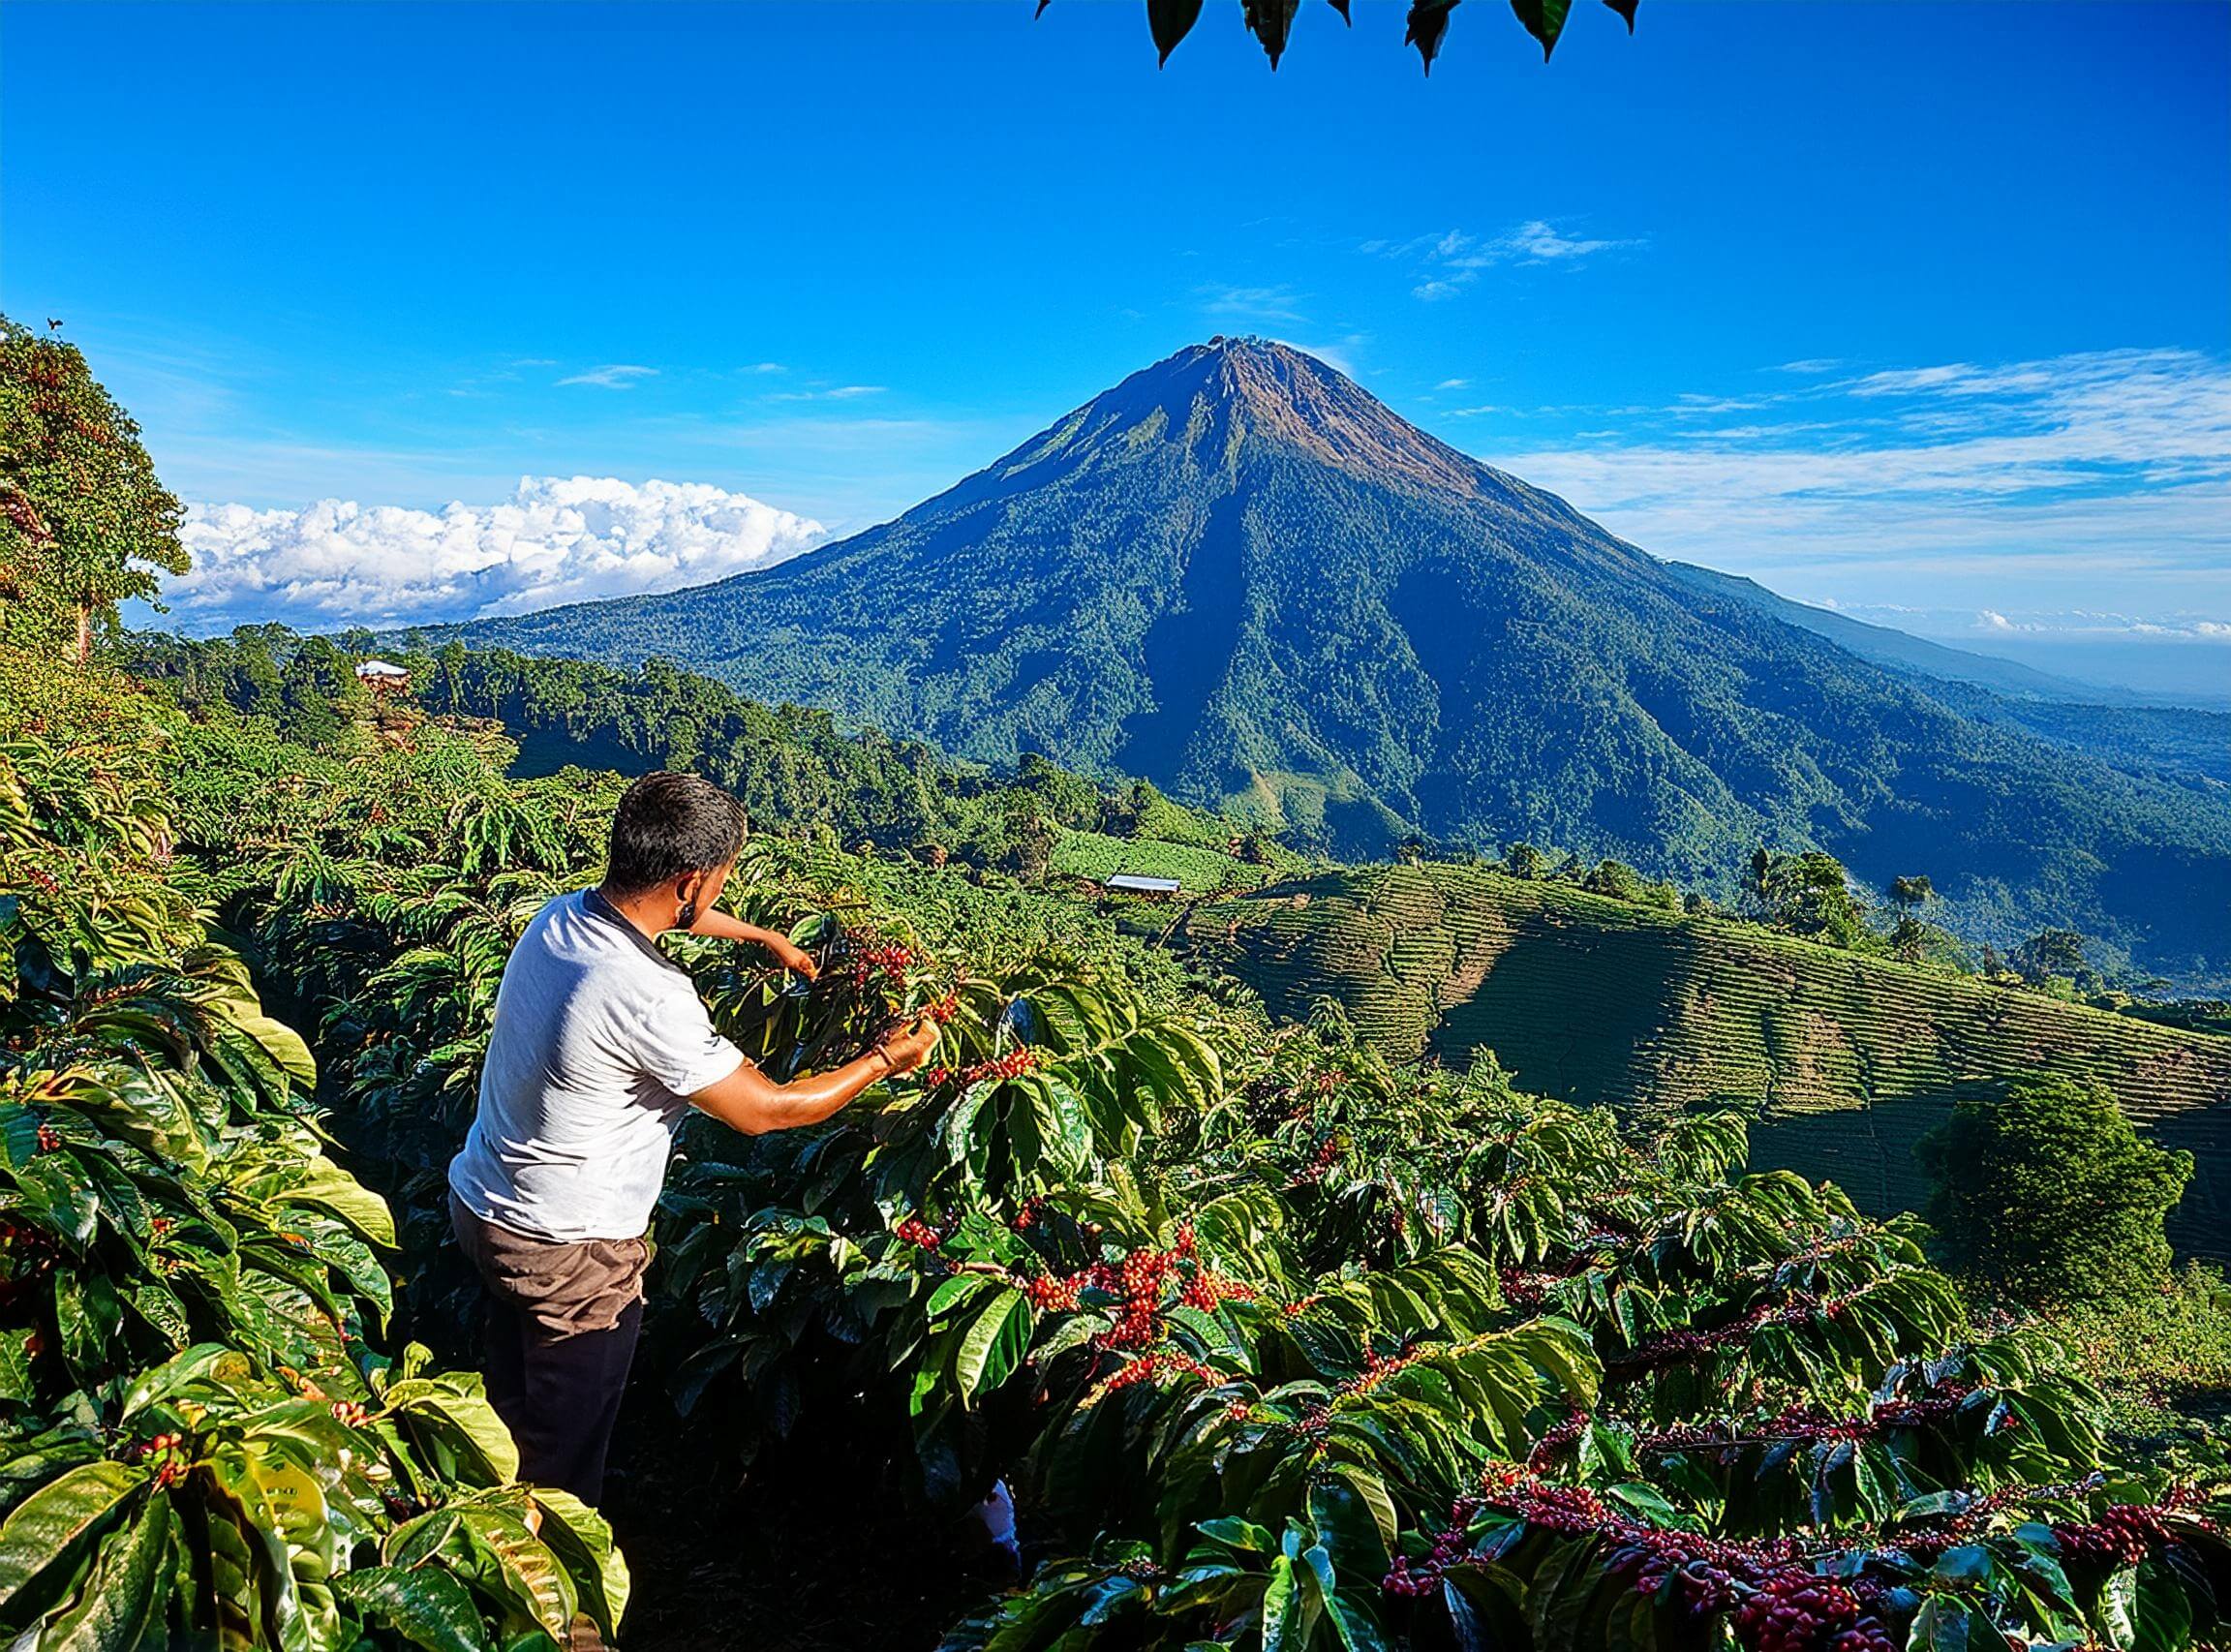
{"points": [[1271, 21]]}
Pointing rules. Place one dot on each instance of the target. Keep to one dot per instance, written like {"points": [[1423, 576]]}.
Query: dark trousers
{"points": [[560, 1395]]}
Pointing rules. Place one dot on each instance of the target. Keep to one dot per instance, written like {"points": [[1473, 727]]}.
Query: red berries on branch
{"points": [[49, 1139], [1778, 1596], [1802, 1611], [168, 1452], [1546, 1448], [1207, 1288], [879, 964], [1327, 1156], [1012, 1065], [1684, 1347], [1805, 1426], [1146, 1368], [2123, 1536], [914, 1231], [1051, 1295]]}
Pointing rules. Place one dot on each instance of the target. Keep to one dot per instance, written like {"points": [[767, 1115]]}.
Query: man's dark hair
{"points": [[668, 825]]}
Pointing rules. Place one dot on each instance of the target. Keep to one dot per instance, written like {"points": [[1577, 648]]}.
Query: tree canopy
{"points": [[85, 524]]}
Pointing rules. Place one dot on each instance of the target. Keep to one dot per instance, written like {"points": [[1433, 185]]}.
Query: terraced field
{"points": [[1844, 1061], [1096, 855]]}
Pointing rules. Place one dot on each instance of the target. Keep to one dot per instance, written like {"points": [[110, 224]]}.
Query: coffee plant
{"points": [[1278, 1346], [201, 1440]]}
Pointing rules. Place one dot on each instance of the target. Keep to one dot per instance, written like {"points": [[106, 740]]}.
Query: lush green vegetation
{"points": [[2047, 1192], [1279, 1345], [206, 1435], [1240, 576], [791, 768], [1845, 1059], [83, 521]]}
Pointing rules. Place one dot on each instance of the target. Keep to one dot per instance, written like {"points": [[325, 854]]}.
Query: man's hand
{"points": [[750, 1101], [906, 1050], [791, 956]]}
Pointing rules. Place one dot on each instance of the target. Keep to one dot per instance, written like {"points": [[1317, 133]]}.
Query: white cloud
{"points": [[839, 393], [2077, 475], [1453, 260], [619, 376], [1453, 385], [554, 540], [767, 367], [1252, 303]]}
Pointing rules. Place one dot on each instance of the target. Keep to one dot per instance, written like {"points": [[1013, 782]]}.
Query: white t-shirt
{"points": [[600, 1039]]}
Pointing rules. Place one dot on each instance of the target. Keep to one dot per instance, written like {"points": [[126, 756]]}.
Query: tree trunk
{"points": [[84, 633]]}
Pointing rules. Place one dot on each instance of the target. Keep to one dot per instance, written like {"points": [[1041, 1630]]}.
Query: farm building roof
{"points": [[380, 668], [1136, 885]]}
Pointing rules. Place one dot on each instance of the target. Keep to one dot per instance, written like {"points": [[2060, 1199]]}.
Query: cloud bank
{"points": [[1984, 489], [554, 540]]}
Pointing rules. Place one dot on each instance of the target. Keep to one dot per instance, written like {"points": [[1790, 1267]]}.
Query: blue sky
{"points": [[1923, 310]]}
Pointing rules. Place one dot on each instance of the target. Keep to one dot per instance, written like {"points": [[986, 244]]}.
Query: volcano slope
{"points": [[1242, 576]]}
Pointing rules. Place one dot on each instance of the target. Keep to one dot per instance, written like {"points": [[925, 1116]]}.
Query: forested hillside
{"points": [[1842, 1060], [1240, 576], [794, 770]]}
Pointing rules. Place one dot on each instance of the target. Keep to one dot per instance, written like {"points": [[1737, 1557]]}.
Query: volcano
{"points": [[1240, 575]]}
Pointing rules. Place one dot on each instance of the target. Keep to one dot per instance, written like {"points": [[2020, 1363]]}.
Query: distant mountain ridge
{"points": [[1888, 646], [1241, 575]]}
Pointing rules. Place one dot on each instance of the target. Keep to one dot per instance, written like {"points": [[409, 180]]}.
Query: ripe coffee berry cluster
{"points": [[1777, 1599], [1686, 1347], [1138, 1281], [1415, 1580], [49, 1139], [1207, 1288], [1546, 1448], [2123, 1536], [1149, 1366], [871, 962], [1328, 1155], [1806, 1426], [1050, 1294], [168, 1452], [1800, 1612], [1012, 1065], [913, 1230]]}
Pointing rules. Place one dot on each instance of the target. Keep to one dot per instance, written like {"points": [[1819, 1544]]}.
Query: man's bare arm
{"points": [[750, 1101], [717, 925]]}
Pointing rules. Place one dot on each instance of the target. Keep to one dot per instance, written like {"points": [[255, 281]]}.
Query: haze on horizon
{"points": [[802, 268]]}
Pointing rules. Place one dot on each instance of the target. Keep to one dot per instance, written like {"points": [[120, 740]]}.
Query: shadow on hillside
{"points": [[1566, 1008]]}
